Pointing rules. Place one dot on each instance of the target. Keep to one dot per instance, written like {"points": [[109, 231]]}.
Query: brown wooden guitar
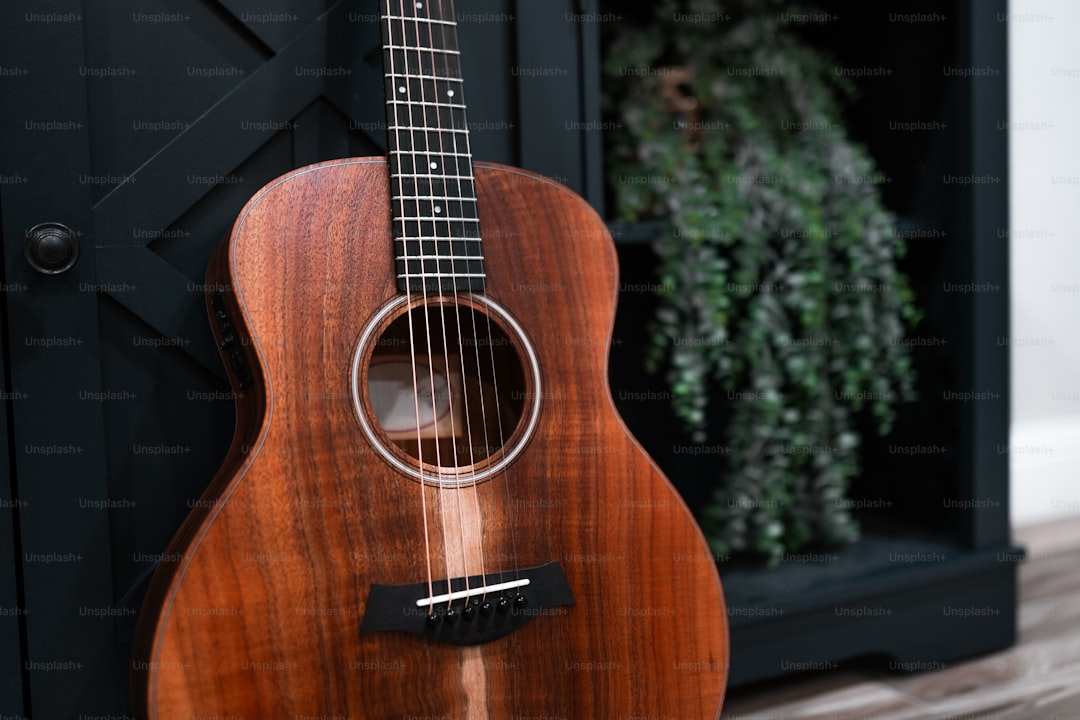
{"points": [[430, 508]]}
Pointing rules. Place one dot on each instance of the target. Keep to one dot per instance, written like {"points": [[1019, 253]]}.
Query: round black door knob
{"points": [[51, 248]]}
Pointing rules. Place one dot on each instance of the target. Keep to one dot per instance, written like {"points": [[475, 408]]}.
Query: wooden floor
{"points": [[1038, 679]]}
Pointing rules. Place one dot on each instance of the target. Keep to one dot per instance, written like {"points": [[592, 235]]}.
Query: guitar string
{"points": [[501, 449], [443, 497], [426, 129], [448, 12], [403, 219], [501, 556], [438, 107], [505, 472]]}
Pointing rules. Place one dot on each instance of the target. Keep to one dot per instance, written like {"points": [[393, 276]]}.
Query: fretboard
{"points": [[436, 229]]}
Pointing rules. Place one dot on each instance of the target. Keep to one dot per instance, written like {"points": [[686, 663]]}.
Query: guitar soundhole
{"points": [[445, 389]]}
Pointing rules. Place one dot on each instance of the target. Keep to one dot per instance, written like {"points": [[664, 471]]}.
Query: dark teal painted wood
{"points": [[197, 106]]}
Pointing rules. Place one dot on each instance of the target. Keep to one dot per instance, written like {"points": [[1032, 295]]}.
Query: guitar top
{"points": [[430, 508]]}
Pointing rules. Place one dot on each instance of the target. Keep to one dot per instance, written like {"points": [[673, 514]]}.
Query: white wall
{"points": [[1044, 175]]}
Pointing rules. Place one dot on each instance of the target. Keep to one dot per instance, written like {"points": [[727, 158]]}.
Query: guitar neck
{"points": [[433, 195]]}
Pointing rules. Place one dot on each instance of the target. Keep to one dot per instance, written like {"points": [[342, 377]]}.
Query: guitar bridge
{"points": [[467, 611]]}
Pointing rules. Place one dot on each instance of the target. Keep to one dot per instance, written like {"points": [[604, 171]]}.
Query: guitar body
{"points": [[258, 610]]}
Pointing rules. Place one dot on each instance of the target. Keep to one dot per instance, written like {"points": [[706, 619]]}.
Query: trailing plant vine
{"points": [[777, 259]]}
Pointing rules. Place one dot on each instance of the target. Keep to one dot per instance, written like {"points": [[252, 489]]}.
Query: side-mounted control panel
{"points": [[230, 344]]}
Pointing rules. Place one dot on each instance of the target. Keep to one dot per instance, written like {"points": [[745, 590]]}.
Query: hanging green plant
{"points": [[777, 259]]}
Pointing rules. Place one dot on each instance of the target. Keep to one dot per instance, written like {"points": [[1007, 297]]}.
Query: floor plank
{"points": [[1038, 679], [863, 700]]}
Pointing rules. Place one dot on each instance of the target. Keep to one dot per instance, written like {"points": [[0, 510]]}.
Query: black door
{"points": [[131, 133]]}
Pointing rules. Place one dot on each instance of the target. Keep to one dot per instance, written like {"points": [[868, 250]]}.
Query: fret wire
{"points": [[426, 103], [430, 257], [410, 76], [477, 258], [438, 238], [431, 176], [450, 198], [414, 19], [467, 260], [434, 199], [449, 73], [460, 260], [420, 50], [447, 200], [437, 218], [406, 128], [417, 18], [441, 274], [473, 265], [430, 153], [415, 76], [413, 218]]}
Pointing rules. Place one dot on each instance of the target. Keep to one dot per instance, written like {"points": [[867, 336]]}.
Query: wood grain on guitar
{"points": [[430, 507]]}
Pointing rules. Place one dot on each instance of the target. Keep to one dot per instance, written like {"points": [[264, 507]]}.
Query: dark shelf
{"points": [[928, 583], [810, 577], [872, 600]]}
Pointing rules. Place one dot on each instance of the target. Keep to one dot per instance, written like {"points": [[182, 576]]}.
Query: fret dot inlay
{"points": [[436, 229]]}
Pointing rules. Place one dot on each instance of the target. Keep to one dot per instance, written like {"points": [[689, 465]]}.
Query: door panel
{"points": [[12, 609], [144, 126], [54, 359]]}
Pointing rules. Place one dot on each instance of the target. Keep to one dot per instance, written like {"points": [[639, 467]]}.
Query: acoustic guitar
{"points": [[430, 508]]}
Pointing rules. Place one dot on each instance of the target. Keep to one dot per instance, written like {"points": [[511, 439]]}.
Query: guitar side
{"points": [[259, 614]]}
